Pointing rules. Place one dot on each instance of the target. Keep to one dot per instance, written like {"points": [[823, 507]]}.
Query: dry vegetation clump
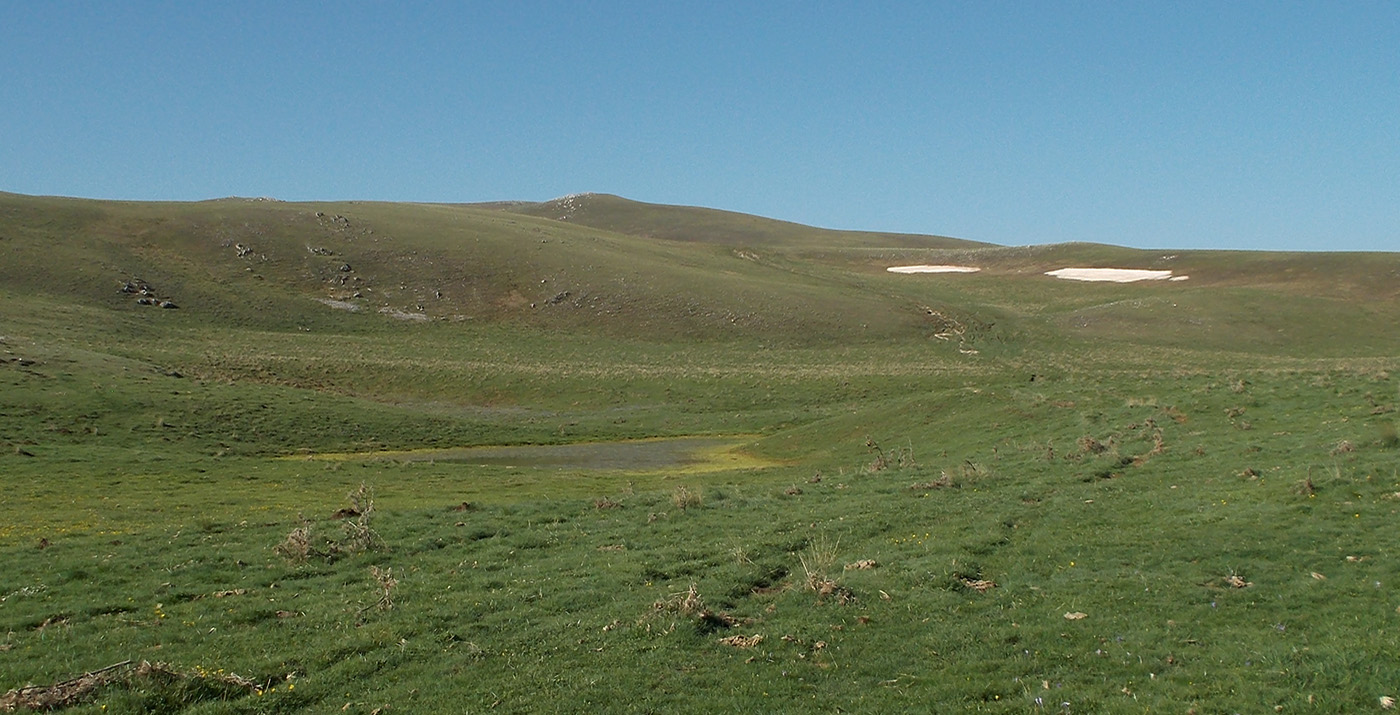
{"points": [[879, 463], [818, 560], [1159, 444], [688, 603], [978, 584], [901, 457], [74, 691], [1089, 445], [387, 584], [686, 498], [971, 470], [296, 547], [741, 641], [1234, 580], [357, 535], [945, 481]]}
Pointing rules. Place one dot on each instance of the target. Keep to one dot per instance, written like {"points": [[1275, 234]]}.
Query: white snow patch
{"points": [[1113, 275], [933, 269], [397, 314], [340, 304]]}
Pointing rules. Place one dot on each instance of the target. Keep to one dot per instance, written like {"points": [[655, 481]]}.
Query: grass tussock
{"points": [[685, 497]]}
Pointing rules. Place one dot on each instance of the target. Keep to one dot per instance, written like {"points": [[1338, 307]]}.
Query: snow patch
{"points": [[340, 304], [397, 314], [933, 269], [1114, 275]]}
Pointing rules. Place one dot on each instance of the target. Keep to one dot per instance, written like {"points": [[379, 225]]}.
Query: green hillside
{"points": [[596, 455]]}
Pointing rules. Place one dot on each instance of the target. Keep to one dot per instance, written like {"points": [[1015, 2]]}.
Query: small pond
{"points": [[686, 453]]}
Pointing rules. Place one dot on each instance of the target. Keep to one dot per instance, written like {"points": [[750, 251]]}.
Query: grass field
{"points": [[992, 492]]}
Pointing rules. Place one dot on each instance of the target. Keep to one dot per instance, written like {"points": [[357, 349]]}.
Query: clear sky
{"points": [[1229, 124]]}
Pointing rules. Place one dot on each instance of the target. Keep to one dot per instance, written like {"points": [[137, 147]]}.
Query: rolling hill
{"points": [[597, 455]]}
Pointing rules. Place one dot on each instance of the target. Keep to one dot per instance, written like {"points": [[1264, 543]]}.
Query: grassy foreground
{"points": [[1073, 498]]}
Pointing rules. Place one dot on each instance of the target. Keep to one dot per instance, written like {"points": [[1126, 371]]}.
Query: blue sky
{"points": [[1260, 125]]}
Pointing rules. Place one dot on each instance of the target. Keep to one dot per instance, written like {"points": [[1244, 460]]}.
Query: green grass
{"points": [[1207, 470]]}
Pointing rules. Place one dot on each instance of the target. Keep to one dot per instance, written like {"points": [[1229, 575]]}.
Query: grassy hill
{"points": [[989, 492]]}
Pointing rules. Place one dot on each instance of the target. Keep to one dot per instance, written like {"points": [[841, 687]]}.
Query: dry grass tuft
{"points": [[686, 498], [75, 691], [1236, 581], [688, 603], [387, 584], [741, 641], [943, 482], [1089, 445], [817, 560], [357, 535], [979, 585], [296, 547]]}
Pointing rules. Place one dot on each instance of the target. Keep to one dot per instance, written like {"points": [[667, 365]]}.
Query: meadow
{"points": [[994, 492]]}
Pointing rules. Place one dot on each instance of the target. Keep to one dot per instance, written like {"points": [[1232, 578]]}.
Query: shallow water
{"points": [[638, 455]]}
